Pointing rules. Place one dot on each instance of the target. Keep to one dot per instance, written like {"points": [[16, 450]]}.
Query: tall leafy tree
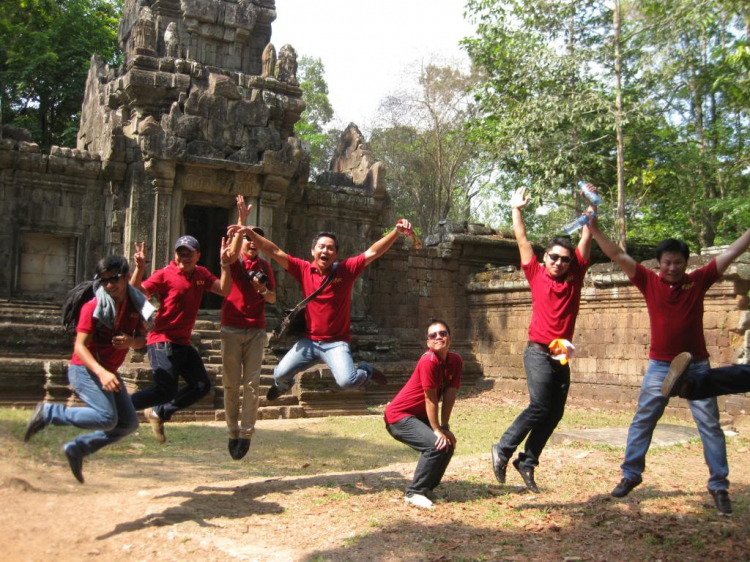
{"points": [[436, 170], [317, 115], [636, 96], [45, 49]]}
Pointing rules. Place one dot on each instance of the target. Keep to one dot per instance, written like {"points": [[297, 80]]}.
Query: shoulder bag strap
{"points": [[317, 291]]}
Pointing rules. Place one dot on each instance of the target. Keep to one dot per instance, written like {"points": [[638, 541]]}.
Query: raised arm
{"points": [[584, 244], [264, 245], [613, 251], [735, 249], [519, 200], [224, 285], [380, 247], [140, 268], [242, 211]]}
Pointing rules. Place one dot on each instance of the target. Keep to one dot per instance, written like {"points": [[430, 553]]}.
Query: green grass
{"points": [[336, 444]]}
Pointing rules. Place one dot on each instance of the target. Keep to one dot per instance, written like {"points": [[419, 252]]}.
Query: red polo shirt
{"points": [[429, 373], [328, 314], [180, 298], [244, 307], [554, 302], [676, 311], [128, 322]]}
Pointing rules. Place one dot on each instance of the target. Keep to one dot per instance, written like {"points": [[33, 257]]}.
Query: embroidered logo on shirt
{"points": [[200, 282], [687, 286]]}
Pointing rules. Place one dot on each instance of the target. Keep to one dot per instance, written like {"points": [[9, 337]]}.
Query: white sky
{"points": [[366, 46]]}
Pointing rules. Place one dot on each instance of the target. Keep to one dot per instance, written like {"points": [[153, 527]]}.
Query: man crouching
{"points": [[413, 418]]}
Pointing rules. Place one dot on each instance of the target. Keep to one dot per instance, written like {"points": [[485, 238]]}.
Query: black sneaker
{"points": [[75, 462], [499, 464], [625, 486], [528, 476], [232, 446], [676, 378], [36, 423], [378, 377], [243, 446], [273, 393], [722, 501]]}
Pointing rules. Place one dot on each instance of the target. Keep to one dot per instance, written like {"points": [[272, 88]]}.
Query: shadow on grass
{"points": [[595, 529]]}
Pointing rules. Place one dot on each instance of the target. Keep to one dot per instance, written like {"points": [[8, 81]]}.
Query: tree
{"points": [[435, 170], [635, 96], [45, 49], [318, 113]]}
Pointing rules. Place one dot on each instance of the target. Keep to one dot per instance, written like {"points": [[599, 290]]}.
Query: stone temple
{"points": [[203, 109]]}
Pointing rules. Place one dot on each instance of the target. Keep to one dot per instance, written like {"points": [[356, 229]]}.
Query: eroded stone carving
{"points": [[144, 35], [353, 161], [172, 41], [268, 61], [286, 66]]}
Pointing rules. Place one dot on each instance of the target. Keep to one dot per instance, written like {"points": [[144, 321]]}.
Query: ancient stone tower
{"points": [[196, 115]]}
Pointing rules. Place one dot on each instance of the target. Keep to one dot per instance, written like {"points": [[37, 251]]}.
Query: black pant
{"points": [[734, 379], [432, 464], [166, 397], [548, 382]]}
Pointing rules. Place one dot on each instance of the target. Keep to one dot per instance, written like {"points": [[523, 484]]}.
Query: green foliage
{"points": [[547, 108], [45, 49], [318, 113]]}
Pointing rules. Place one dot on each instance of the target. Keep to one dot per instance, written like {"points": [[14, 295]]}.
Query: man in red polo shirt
{"points": [[675, 308], [555, 298], [414, 417], [179, 287], [328, 329], [243, 336]]}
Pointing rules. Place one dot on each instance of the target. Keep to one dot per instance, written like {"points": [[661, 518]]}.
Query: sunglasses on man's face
{"points": [[112, 279], [557, 257], [438, 334]]}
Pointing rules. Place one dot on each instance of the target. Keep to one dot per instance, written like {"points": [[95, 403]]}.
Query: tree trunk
{"points": [[620, 222]]}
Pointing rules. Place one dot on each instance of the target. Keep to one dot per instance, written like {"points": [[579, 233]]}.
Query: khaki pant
{"points": [[241, 359]]}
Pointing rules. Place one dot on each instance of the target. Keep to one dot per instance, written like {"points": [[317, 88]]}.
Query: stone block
{"points": [[220, 85]]}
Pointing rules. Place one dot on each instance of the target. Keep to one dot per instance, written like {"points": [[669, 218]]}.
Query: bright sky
{"points": [[366, 46]]}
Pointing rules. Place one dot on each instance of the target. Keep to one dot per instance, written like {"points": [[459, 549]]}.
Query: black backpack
{"points": [[71, 308]]}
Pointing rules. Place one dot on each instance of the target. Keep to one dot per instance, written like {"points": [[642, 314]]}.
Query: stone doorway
{"points": [[208, 225]]}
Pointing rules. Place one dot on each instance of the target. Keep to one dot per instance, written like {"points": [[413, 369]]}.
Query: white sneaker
{"points": [[419, 500]]}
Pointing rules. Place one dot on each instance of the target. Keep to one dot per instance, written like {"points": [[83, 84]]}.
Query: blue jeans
{"points": [[112, 413], [432, 464], [336, 354], [651, 406], [548, 382], [733, 379], [169, 362]]}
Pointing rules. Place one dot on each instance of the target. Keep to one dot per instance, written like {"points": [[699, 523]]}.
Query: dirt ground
{"points": [[189, 509]]}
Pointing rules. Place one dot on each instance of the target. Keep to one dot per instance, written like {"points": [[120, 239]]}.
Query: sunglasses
{"points": [[557, 257], [438, 334], [107, 280]]}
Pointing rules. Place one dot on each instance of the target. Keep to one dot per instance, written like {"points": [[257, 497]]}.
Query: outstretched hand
{"points": [[140, 255], [405, 227], [224, 254], [243, 211], [520, 198]]}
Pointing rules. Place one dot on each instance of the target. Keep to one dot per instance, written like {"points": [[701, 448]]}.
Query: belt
{"points": [[537, 345]]}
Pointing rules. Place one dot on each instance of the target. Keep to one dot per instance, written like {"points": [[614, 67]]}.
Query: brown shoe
{"points": [[676, 376], [157, 425]]}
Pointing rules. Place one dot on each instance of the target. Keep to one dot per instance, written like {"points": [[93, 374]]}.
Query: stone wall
{"points": [[52, 233], [612, 332]]}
